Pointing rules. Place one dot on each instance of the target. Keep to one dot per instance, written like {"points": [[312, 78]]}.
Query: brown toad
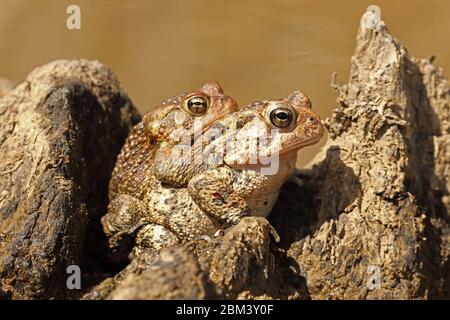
{"points": [[236, 170], [174, 120]]}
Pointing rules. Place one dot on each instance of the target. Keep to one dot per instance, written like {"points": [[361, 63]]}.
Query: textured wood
{"points": [[380, 186], [60, 132]]}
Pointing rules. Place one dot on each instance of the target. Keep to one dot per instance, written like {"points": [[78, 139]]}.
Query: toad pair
{"points": [[197, 163]]}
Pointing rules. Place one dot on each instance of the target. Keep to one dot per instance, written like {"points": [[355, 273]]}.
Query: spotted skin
{"points": [[220, 193], [133, 175]]}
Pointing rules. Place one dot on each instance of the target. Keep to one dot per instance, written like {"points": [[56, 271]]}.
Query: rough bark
{"points": [[379, 189], [243, 264], [60, 132], [172, 274]]}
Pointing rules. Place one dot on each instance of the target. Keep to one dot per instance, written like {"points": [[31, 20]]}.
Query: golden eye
{"points": [[197, 104], [281, 117]]}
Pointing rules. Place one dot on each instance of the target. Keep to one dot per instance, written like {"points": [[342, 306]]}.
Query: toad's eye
{"points": [[197, 104], [281, 117]]}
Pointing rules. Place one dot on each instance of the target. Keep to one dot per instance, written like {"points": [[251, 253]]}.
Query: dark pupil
{"points": [[282, 115], [281, 118], [197, 104]]}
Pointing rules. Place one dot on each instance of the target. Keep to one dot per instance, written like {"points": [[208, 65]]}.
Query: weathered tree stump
{"points": [[368, 219], [379, 189], [60, 132]]}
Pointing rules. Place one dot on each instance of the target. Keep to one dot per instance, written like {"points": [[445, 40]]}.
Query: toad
{"points": [[236, 170], [176, 119]]}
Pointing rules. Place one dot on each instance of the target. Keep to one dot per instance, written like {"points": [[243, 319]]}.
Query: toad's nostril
{"points": [[311, 119]]}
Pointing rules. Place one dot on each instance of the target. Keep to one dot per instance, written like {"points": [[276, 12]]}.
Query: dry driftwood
{"points": [[60, 132], [368, 220]]}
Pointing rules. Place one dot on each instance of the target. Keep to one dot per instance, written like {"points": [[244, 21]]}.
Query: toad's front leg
{"points": [[120, 224], [131, 227], [214, 193]]}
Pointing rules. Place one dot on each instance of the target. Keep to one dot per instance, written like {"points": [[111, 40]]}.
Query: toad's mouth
{"points": [[290, 149], [295, 144]]}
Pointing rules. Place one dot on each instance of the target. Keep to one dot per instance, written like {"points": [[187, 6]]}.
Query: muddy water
{"points": [[256, 49]]}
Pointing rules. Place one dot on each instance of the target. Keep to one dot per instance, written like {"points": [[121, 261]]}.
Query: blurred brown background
{"points": [[256, 49]]}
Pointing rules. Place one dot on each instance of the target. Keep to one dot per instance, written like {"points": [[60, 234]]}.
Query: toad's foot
{"points": [[153, 237], [274, 234], [214, 238]]}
